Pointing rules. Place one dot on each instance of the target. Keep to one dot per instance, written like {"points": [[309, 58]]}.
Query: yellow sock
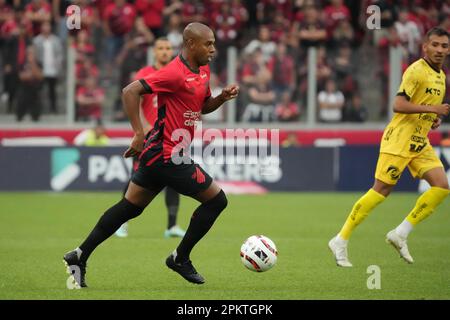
{"points": [[426, 204], [360, 211]]}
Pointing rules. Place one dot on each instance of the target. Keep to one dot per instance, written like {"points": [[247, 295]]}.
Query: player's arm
{"points": [[145, 125], [403, 105], [213, 103], [131, 97]]}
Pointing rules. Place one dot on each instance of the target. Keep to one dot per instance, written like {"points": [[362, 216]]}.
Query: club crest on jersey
{"points": [[394, 172]]}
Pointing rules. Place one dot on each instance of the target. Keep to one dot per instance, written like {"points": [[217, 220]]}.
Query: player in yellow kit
{"points": [[418, 108]]}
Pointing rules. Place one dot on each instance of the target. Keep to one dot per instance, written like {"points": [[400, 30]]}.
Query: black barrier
{"points": [[291, 169]]}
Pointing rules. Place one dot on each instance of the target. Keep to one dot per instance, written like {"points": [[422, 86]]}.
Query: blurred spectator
{"points": [[282, 68], [409, 34], [94, 137], [425, 18], [83, 46], [14, 56], [84, 69], [172, 7], [118, 21], [291, 140], [89, 99], [226, 24], [261, 99], [266, 10], [311, 30], [49, 54], [152, 13], [264, 43], [324, 71], [216, 89], [331, 102], [30, 83], [279, 27], [134, 53], [59, 15], [334, 13], [445, 22], [344, 69], [252, 66], [37, 12], [445, 141], [6, 12], [355, 111], [343, 34], [175, 32], [287, 110], [194, 11], [390, 40]]}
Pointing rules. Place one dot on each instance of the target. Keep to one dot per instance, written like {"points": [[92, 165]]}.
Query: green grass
{"points": [[36, 229]]}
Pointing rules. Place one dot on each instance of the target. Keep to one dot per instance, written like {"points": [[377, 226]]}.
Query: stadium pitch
{"points": [[36, 229]]}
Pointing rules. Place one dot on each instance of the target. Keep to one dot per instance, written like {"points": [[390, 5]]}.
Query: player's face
{"points": [[437, 49], [163, 51], [205, 49]]}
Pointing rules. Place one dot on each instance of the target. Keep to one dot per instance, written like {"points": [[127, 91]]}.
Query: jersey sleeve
{"points": [[162, 81], [410, 83]]}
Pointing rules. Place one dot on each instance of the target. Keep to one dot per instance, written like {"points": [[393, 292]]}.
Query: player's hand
{"points": [[442, 109], [437, 122], [136, 146], [230, 92]]}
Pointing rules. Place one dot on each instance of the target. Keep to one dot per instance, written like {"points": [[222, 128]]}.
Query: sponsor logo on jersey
{"points": [[191, 117]]}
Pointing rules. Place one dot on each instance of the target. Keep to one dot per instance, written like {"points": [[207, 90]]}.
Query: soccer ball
{"points": [[259, 253]]}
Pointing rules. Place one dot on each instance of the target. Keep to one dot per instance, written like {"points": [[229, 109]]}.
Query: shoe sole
{"points": [[187, 279], [392, 243], [71, 283], [329, 247]]}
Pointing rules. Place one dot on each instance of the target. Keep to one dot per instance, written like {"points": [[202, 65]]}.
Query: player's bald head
{"points": [[198, 43], [196, 31]]}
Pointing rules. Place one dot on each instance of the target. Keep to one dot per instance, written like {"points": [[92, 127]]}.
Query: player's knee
{"points": [[219, 202], [382, 188]]}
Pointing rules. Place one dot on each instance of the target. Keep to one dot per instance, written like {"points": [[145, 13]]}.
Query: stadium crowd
{"points": [[272, 38]]}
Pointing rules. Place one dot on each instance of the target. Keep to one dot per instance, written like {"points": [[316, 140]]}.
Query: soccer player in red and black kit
{"points": [[183, 95], [163, 54]]}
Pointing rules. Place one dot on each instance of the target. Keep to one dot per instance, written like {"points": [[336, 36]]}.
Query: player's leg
{"points": [[193, 181], [122, 232], [364, 205], [213, 202], [129, 207], [432, 171], [172, 199], [388, 171]]}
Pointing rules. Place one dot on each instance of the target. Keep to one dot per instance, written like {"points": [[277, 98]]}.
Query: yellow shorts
{"points": [[390, 167]]}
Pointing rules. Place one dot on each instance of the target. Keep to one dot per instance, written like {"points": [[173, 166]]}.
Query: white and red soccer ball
{"points": [[259, 253]]}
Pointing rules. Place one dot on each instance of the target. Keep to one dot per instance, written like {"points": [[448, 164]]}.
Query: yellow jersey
{"points": [[407, 134]]}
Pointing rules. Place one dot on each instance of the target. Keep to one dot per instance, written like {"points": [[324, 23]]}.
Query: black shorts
{"points": [[187, 178]]}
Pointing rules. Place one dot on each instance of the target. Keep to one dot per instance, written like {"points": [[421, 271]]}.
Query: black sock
{"points": [[201, 221], [111, 220], [172, 203]]}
